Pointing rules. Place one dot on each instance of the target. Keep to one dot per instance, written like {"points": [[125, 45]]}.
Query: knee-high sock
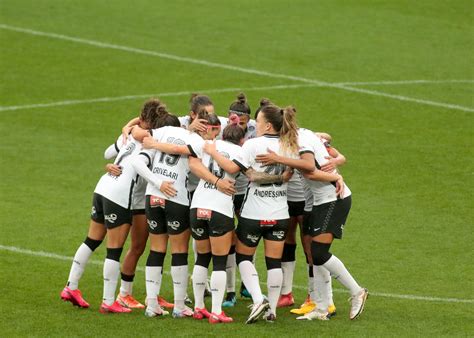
{"points": [[126, 285], [79, 263], [288, 269], [153, 275], [218, 282], [274, 281], [339, 272], [230, 271], [250, 278], [321, 278], [111, 276], [179, 274], [199, 285]]}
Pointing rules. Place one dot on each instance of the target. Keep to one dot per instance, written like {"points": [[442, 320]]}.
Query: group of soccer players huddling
{"points": [[177, 177]]}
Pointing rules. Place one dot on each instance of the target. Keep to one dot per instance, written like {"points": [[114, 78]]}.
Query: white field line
{"points": [[231, 67], [220, 90], [141, 96], [379, 294]]}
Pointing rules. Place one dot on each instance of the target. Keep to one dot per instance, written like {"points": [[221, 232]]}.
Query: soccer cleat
{"points": [[164, 303], [186, 312], [316, 314], [286, 300], [257, 310], [269, 316], [331, 310], [244, 292], [222, 318], [130, 302], [74, 296], [357, 303], [230, 300], [187, 300], [114, 308], [201, 313], [154, 312], [306, 307]]}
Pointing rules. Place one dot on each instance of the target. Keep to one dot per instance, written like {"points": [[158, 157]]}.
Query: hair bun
{"points": [[234, 119], [241, 98], [265, 102]]}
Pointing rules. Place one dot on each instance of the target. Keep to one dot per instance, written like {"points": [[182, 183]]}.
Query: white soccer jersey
{"points": [[295, 188], [263, 202], [167, 167], [119, 189], [251, 131], [323, 192], [206, 195]]}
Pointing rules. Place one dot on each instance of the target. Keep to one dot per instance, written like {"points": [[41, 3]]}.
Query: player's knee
{"points": [[114, 253], [289, 253], [272, 263], [179, 259], [239, 258], [155, 258], [320, 252], [203, 259], [219, 262], [92, 243]]}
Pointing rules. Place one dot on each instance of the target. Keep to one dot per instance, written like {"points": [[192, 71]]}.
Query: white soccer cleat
{"points": [[257, 310], [357, 303], [154, 312], [315, 314]]}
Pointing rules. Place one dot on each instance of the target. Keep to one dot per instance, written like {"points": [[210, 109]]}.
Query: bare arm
{"points": [[128, 128], [336, 159], [197, 168], [304, 163], [324, 135], [174, 149], [226, 164], [319, 175], [265, 178], [139, 134]]}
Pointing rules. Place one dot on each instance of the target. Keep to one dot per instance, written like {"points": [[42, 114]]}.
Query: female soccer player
{"points": [[111, 207], [212, 224], [331, 206], [167, 209], [264, 211]]}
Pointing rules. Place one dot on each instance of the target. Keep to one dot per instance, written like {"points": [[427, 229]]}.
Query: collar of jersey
{"points": [[271, 135]]}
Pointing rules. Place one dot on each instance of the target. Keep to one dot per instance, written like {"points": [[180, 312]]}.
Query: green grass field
{"points": [[73, 72]]}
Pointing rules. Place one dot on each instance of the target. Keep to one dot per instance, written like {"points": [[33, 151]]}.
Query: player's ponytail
{"points": [[289, 131], [153, 110]]}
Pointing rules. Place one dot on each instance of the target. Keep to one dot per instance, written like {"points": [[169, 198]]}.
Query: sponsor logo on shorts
{"points": [[111, 218], [199, 231], [279, 234], [174, 225], [93, 211], [252, 238], [152, 224]]}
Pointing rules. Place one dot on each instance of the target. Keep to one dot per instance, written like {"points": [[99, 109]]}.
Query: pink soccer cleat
{"points": [[222, 318], [74, 296], [114, 308]]}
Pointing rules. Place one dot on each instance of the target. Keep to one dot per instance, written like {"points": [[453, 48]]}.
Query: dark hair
{"points": [[240, 106], [152, 112], [198, 101], [233, 132], [213, 120], [263, 102], [168, 120], [284, 122]]}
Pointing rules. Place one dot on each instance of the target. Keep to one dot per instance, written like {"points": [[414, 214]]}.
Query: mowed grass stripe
{"points": [[378, 294], [233, 68]]}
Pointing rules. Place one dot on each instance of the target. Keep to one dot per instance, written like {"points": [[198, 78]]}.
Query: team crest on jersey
{"points": [[199, 231], [152, 224], [174, 225], [279, 234], [111, 218], [252, 238], [156, 201]]}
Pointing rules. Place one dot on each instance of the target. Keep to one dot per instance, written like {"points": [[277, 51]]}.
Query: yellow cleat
{"points": [[331, 310], [306, 307]]}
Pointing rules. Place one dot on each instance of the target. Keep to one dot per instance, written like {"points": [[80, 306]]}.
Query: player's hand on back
{"points": [[113, 169], [168, 189], [226, 186]]}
